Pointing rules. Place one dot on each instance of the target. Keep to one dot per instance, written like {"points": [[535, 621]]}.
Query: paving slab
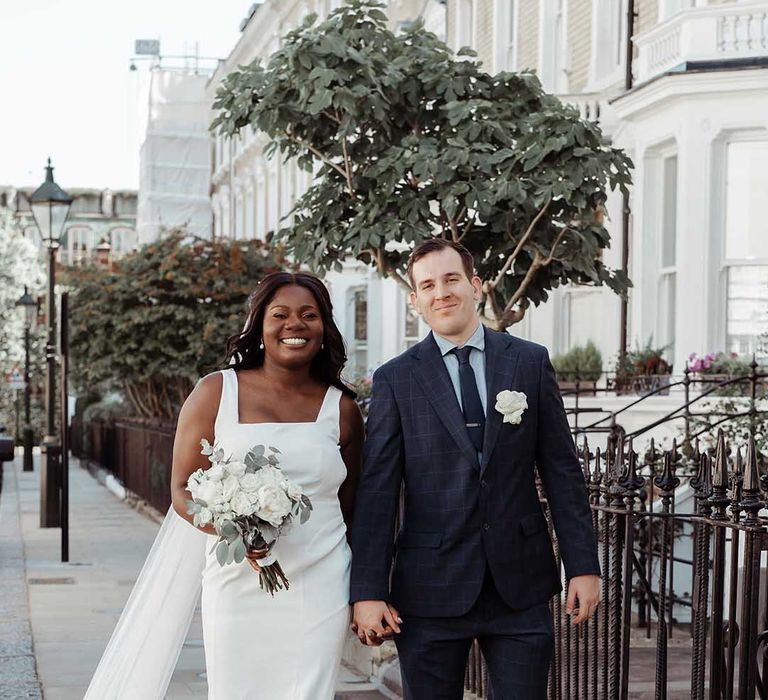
{"points": [[60, 616]]}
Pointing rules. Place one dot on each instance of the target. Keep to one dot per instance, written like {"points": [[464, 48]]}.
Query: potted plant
{"points": [[714, 368], [642, 371], [579, 369]]}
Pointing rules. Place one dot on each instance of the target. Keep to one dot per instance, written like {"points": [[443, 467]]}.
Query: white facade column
{"points": [[693, 233]]}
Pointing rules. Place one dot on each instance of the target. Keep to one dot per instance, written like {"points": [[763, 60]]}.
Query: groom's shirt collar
{"points": [[476, 341]]}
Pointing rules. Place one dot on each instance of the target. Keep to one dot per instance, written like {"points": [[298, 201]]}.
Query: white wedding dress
{"points": [[257, 647], [286, 647]]}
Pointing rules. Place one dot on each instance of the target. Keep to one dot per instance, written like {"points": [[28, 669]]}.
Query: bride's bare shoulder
{"points": [[206, 395]]}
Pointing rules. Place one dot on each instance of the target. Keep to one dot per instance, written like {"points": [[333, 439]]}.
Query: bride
{"points": [[282, 389]]}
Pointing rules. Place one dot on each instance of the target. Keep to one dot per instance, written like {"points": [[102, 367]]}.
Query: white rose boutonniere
{"points": [[511, 405]]}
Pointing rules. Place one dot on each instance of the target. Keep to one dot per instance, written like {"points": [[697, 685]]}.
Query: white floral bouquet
{"points": [[250, 504]]}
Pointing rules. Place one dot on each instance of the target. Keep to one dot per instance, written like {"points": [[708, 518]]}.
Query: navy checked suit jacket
{"points": [[460, 515]]}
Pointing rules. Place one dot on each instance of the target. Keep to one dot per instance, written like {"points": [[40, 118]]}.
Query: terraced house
{"points": [[682, 85]]}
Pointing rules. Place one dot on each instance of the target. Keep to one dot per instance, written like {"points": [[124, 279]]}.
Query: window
{"points": [[608, 37], [123, 240], [261, 205], [248, 232], [553, 46], [506, 57], [667, 296], [411, 330], [273, 207], [76, 245], [358, 317], [465, 23], [239, 211], [746, 246]]}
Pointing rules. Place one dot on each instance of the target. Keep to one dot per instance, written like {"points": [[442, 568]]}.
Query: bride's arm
{"points": [[351, 443], [196, 421]]}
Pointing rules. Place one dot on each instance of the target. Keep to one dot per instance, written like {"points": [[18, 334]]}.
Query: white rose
{"points": [[511, 405], [293, 490], [235, 468], [215, 473], [270, 475], [249, 482], [229, 487], [209, 491], [242, 505], [274, 505], [204, 517]]}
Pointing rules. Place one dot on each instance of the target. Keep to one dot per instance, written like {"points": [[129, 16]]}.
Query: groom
{"points": [[473, 556]]}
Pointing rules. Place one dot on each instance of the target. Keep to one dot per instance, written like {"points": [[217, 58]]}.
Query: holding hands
{"points": [[375, 621]]}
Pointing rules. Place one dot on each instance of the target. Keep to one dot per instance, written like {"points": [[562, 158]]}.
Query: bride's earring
{"points": [[261, 345], [322, 346]]}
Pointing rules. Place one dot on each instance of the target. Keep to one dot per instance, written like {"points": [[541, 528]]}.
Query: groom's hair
{"points": [[435, 245]]}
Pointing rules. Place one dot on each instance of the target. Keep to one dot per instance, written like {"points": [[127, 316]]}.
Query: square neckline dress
{"points": [[286, 647]]}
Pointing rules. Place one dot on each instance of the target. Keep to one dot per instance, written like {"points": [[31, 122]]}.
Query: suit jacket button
{"points": [[486, 527], [483, 483]]}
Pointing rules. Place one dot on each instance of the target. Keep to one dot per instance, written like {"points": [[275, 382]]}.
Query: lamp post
{"points": [[27, 307], [50, 208]]}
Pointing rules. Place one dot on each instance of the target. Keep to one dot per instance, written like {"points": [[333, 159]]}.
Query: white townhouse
{"points": [[250, 193], [682, 86]]}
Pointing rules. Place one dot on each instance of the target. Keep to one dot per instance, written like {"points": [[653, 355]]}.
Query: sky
{"points": [[65, 86]]}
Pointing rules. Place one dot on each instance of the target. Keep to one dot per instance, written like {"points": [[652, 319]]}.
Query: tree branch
{"points": [[347, 168], [528, 232], [454, 229], [551, 255], [536, 264], [467, 228], [384, 269], [301, 142]]}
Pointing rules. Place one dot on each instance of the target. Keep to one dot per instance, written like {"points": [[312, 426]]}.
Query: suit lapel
{"points": [[500, 366], [432, 375]]}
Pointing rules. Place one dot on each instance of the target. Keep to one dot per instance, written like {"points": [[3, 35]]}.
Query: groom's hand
{"points": [[583, 597], [373, 621]]}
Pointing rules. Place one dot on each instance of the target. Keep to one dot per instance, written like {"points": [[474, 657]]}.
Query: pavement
{"points": [[56, 618]]}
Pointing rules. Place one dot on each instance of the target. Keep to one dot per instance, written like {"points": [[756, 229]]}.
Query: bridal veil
{"points": [[145, 645]]}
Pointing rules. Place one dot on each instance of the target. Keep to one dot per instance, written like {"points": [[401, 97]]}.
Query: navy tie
{"points": [[474, 416]]}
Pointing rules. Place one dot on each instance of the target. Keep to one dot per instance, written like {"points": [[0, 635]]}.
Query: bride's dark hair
{"points": [[243, 348]]}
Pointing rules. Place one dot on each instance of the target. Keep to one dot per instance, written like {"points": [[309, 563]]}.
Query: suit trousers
{"points": [[516, 644]]}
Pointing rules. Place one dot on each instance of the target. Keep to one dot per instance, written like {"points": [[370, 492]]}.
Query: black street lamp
{"points": [[50, 207], [27, 307]]}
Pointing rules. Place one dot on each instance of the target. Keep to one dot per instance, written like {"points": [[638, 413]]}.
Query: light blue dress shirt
{"points": [[476, 361]]}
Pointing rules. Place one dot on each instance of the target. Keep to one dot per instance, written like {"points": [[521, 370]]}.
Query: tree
{"points": [[412, 141], [157, 321], [20, 266]]}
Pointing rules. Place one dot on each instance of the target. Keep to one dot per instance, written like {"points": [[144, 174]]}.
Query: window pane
{"points": [[361, 315], [747, 307], [669, 213], [667, 313], [746, 227]]}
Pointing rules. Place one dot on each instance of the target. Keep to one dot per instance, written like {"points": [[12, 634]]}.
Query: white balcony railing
{"points": [[738, 30]]}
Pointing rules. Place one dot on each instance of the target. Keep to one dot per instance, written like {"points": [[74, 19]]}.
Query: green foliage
{"points": [[736, 417], [581, 363], [643, 361], [160, 318], [412, 141]]}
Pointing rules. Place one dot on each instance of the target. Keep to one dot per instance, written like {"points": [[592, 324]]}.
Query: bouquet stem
{"points": [[272, 578]]}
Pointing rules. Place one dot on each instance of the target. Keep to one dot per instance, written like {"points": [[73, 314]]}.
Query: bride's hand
{"points": [[253, 554]]}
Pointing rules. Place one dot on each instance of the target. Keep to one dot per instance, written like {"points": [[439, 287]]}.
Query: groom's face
{"points": [[444, 296]]}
